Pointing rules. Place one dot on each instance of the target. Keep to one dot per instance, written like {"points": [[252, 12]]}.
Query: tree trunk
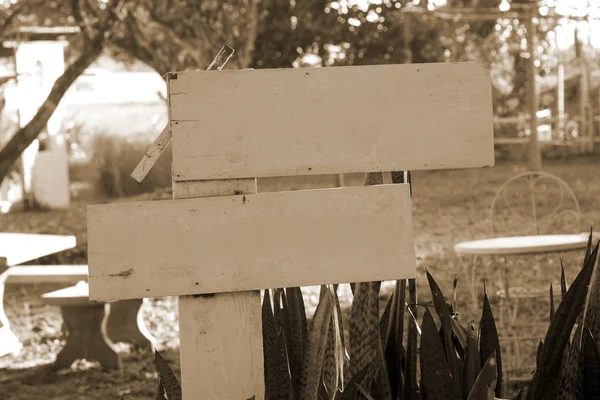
{"points": [[26, 135]]}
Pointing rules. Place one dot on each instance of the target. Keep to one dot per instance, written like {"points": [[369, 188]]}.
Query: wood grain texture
{"points": [[221, 335], [227, 187], [239, 124], [246, 242], [221, 346]]}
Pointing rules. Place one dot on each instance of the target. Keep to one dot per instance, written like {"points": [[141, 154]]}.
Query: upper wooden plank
{"points": [[248, 242], [238, 124]]}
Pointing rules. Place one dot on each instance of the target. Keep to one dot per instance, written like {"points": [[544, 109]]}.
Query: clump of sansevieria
{"points": [[437, 358]]}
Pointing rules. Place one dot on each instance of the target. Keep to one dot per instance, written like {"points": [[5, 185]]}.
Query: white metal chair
{"points": [[530, 203], [535, 203]]}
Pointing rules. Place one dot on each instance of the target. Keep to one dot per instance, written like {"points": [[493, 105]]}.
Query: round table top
{"points": [[523, 244]]}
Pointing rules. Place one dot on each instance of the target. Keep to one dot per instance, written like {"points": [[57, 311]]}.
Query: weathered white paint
{"points": [[221, 346], [220, 336], [240, 124], [245, 242]]}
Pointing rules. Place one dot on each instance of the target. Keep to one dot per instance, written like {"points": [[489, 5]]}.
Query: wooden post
{"points": [[535, 156], [220, 327]]}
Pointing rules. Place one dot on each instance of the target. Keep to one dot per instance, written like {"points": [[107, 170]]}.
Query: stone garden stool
{"points": [[94, 327]]}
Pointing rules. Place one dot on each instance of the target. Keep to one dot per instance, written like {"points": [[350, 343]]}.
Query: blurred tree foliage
{"points": [[168, 35], [175, 35], [340, 33]]}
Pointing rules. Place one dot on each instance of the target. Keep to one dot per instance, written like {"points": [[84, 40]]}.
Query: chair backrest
{"points": [[535, 203]]}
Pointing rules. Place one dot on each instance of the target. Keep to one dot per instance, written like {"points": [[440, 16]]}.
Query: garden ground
{"points": [[448, 207]]}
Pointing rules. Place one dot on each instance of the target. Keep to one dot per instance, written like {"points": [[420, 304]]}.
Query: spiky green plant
{"points": [[380, 360], [436, 359]]}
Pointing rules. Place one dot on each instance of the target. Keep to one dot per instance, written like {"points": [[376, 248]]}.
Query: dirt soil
{"points": [[448, 207]]}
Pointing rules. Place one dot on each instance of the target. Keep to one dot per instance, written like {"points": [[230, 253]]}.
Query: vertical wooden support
{"points": [[535, 156], [221, 334]]}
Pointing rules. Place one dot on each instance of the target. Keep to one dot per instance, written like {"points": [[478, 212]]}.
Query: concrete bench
{"points": [[123, 323], [32, 274], [86, 325]]}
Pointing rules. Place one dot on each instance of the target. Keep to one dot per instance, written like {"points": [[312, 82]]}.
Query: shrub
{"points": [[112, 162]]}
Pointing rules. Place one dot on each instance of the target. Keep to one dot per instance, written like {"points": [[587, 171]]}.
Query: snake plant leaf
{"points": [[460, 333], [588, 247], [333, 367], [330, 380], [351, 389], [365, 340], [364, 393], [520, 394], [167, 377], [394, 348], [489, 343], [277, 308], [472, 364], [318, 334], [410, 369], [323, 395], [160, 392], [437, 383], [563, 281], [551, 303], [591, 367], [535, 378], [296, 333], [559, 331], [277, 379], [571, 381], [443, 312], [384, 322], [591, 313], [486, 382]]}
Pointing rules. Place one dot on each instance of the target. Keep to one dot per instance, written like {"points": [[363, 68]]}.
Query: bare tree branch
{"points": [[26, 135], [79, 19], [10, 18]]}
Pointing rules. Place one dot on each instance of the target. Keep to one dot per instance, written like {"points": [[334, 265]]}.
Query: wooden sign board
{"points": [[247, 124], [220, 236], [249, 242]]}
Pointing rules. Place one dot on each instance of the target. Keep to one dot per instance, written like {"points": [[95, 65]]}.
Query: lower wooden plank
{"points": [[248, 242], [221, 346]]}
